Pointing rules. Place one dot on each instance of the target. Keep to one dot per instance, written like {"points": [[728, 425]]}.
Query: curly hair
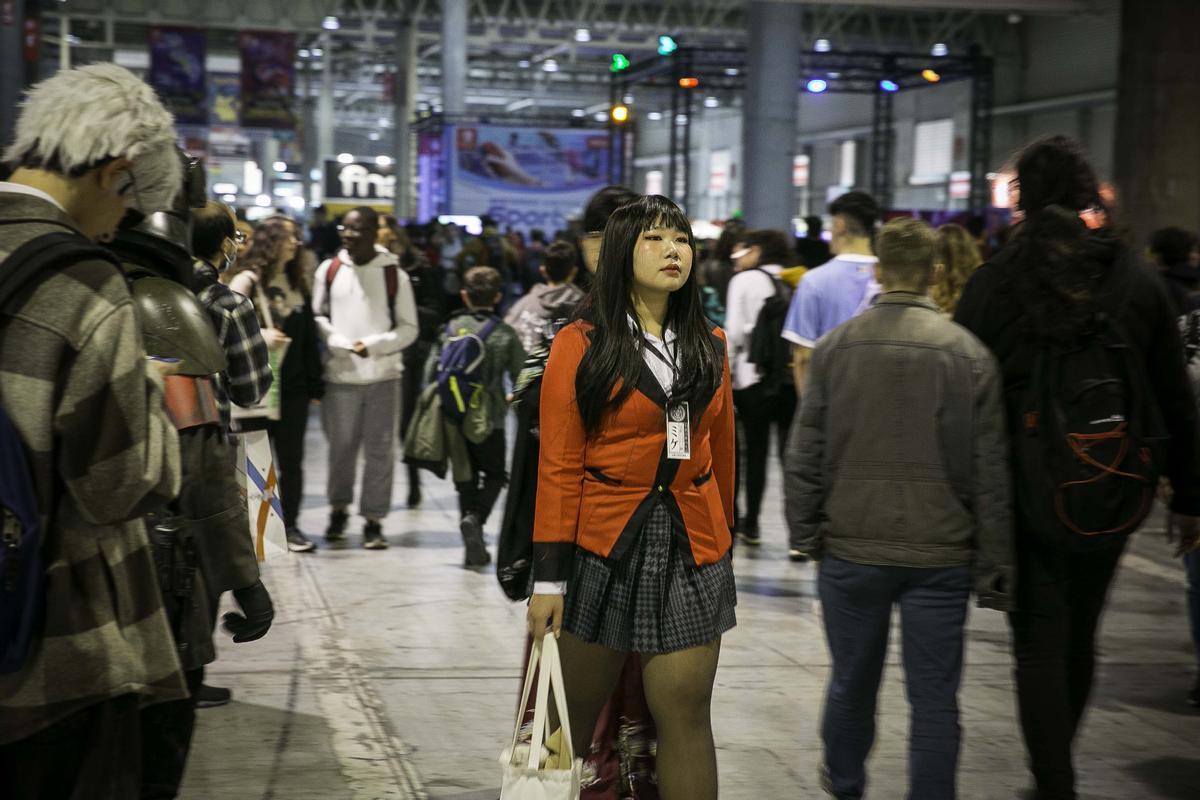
{"points": [[270, 235], [1053, 274], [959, 256]]}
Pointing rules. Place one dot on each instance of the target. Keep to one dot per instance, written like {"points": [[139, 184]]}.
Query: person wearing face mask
{"points": [[101, 451], [216, 241]]}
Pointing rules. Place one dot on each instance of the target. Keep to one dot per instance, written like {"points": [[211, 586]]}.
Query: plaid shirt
{"points": [[247, 375]]}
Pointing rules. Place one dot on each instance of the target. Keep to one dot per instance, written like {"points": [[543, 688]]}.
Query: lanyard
{"points": [[668, 358]]}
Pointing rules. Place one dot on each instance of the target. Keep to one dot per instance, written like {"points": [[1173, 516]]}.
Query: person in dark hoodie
{"points": [[530, 315], [1053, 289], [1173, 249]]}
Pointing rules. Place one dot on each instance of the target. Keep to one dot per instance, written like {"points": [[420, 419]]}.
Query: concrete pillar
{"points": [[1157, 158], [454, 57], [772, 102], [12, 65], [405, 89], [325, 102]]}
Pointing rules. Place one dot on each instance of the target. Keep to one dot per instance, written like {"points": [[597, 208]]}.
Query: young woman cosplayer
{"points": [[636, 493]]}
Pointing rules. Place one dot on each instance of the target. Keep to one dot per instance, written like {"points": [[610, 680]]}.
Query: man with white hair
{"points": [[94, 147]]}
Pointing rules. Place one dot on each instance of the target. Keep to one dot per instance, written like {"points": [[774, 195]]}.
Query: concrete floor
{"points": [[394, 674]]}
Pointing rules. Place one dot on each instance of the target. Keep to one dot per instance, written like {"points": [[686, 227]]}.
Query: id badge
{"points": [[679, 431]]}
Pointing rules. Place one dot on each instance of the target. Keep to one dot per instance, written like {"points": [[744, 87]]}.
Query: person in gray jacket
{"points": [[897, 480]]}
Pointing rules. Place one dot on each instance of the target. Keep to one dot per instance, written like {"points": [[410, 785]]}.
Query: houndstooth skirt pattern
{"points": [[650, 601]]}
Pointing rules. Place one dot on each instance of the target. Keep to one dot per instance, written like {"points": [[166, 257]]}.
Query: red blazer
{"points": [[596, 492]]}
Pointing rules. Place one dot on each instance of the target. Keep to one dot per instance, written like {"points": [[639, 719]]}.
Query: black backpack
{"points": [[769, 351], [1088, 443], [22, 571]]}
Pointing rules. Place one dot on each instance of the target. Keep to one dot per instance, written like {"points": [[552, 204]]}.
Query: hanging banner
{"points": [[224, 99], [268, 79], [177, 72], [525, 177]]}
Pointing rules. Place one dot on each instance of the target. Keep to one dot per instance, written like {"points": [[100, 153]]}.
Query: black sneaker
{"points": [[212, 696], [298, 542], [414, 497], [336, 531], [477, 554], [797, 555], [748, 534], [1194, 697], [373, 536]]}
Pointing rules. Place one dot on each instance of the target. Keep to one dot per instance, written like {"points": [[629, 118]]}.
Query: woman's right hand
{"points": [[275, 338], [545, 614]]}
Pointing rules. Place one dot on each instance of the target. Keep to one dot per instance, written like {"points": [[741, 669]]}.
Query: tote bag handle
{"points": [[544, 658]]}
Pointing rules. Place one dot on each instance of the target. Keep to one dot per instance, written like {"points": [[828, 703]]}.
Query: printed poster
{"points": [[268, 79], [177, 72], [260, 485], [525, 177]]}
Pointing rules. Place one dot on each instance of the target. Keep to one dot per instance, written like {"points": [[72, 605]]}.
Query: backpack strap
{"points": [[392, 277], [330, 274], [37, 259], [486, 329]]}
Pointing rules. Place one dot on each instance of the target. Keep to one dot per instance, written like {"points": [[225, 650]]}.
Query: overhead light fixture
{"points": [[889, 86], [834, 75], [627, 98], [225, 188], [374, 136], [667, 45], [305, 53], [318, 52], [731, 72], [314, 174], [620, 63], [523, 63], [330, 23], [931, 75], [383, 161], [823, 46], [345, 158], [550, 65], [817, 85], [279, 166], [1015, 19], [711, 102], [689, 83], [620, 113], [938, 50], [229, 198], [600, 116], [578, 113], [654, 116], [518, 105], [583, 35], [263, 200]]}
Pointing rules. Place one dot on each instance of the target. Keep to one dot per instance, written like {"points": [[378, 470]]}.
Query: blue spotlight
{"points": [[817, 85], [889, 86]]}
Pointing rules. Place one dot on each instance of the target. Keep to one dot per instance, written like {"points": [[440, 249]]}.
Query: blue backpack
{"points": [[22, 571], [459, 369]]}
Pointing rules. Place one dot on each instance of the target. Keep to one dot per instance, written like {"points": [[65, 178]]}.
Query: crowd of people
{"points": [[946, 425]]}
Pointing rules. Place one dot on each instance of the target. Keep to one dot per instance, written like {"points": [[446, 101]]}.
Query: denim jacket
{"points": [[900, 455]]}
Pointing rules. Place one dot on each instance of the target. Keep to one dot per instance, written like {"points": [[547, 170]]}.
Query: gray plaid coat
{"points": [[74, 381]]}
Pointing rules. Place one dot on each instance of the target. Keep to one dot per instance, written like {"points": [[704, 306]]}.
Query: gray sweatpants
{"points": [[361, 416]]}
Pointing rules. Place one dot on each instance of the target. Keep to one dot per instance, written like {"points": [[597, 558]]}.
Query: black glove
{"points": [[257, 613]]}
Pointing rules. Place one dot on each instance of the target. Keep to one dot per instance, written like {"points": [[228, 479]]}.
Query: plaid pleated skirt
{"points": [[650, 601]]}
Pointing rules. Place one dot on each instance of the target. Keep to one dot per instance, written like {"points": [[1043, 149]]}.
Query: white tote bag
{"points": [[260, 487], [268, 407], [525, 775]]}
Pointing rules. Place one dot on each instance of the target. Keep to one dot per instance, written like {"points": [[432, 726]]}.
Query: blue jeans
{"points": [[1191, 562], [857, 604]]}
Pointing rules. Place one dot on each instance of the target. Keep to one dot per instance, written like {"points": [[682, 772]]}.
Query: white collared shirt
{"points": [[20, 188]]}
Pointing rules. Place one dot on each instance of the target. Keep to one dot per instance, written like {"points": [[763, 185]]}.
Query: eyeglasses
{"points": [[239, 237]]}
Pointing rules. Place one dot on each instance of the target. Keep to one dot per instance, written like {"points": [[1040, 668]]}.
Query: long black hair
{"points": [[615, 357], [1057, 261]]}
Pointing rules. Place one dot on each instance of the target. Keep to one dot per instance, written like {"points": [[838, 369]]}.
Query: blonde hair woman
{"points": [[957, 258]]}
